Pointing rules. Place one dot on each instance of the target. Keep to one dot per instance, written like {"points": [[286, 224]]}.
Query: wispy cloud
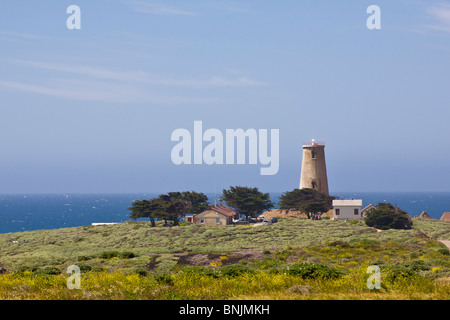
{"points": [[91, 83], [20, 35], [96, 91], [217, 81], [440, 15], [160, 9], [144, 77], [86, 70]]}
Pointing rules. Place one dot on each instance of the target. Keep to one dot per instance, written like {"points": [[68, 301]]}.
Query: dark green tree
{"points": [[198, 200], [171, 206], [387, 216], [177, 208], [307, 200], [247, 201], [152, 209]]}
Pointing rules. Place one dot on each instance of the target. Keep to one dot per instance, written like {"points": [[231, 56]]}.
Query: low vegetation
{"points": [[387, 216], [291, 259]]}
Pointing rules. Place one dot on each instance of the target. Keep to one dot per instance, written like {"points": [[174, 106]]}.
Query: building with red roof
{"points": [[216, 215]]}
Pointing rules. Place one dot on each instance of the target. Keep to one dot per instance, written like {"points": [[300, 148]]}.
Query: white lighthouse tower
{"points": [[314, 170]]}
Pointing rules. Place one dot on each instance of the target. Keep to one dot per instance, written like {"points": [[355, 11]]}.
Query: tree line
{"points": [[252, 202], [245, 200]]}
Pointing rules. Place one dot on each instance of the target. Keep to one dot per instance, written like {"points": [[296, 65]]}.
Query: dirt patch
{"points": [[206, 260], [152, 263], [422, 235]]}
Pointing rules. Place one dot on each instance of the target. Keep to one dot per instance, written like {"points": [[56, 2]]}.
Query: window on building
{"points": [[202, 220], [356, 212], [313, 153], [314, 185], [338, 211], [217, 220]]}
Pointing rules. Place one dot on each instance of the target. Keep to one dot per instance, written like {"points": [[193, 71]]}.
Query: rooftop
{"points": [[227, 211], [445, 216], [347, 203]]}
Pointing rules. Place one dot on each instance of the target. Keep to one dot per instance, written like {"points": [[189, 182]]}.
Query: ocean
{"points": [[26, 212]]}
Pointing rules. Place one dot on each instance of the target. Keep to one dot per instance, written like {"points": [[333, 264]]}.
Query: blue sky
{"points": [[92, 110]]}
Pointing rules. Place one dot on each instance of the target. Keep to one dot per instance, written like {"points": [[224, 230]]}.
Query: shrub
{"points": [[308, 270], [83, 258], [163, 278], [84, 267], [97, 269], [444, 251], [126, 255], [397, 272], [234, 270], [109, 254], [386, 216], [49, 271], [198, 270], [25, 268], [340, 243], [415, 265], [266, 251], [116, 254], [140, 271]]}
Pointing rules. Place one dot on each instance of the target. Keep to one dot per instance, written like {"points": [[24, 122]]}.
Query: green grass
{"points": [[62, 246], [436, 229], [193, 285], [132, 260]]}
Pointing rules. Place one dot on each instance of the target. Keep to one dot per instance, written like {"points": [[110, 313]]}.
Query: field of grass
{"points": [[132, 260]]}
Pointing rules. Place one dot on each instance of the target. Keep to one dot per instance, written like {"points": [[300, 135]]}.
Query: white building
{"points": [[347, 209]]}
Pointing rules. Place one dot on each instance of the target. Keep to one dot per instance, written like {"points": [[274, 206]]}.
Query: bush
{"points": [[234, 270], [342, 244], [308, 270], [116, 254], [25, 268], [84, 267], [198, 270], [109, 254], [49, 271], [397, 272], [83, 258], [415, 265], [163, 278], [140, 271], [126, 255], [386, 216], [444, 251]]}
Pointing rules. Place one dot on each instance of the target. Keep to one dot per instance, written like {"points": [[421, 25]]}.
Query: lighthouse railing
{"points": [[315, 143]]}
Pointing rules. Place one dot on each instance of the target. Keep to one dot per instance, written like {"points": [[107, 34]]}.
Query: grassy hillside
{"points": [[62, 246], [135, 249]]}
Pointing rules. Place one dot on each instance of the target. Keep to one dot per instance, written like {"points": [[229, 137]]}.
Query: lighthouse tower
{"points": [[314, 170]]}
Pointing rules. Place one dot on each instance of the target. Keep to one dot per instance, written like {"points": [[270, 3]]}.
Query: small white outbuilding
{"points": [[347, 209]]}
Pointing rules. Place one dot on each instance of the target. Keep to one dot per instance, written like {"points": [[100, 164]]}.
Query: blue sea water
{"points": [[26, 212]]}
